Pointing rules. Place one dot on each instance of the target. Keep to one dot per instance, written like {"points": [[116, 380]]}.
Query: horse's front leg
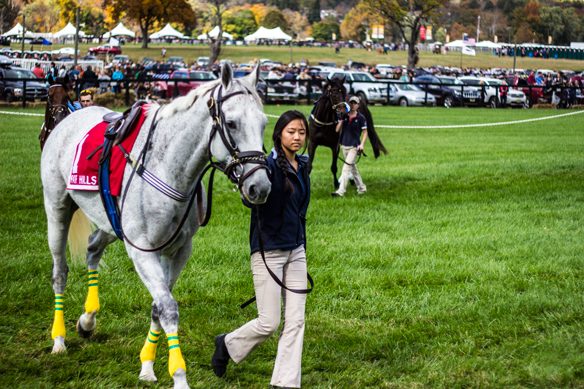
{"points": [[334, 166], [159, 276], [311, 152]]}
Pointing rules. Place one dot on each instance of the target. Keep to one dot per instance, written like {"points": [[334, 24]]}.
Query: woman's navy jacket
{"points": [[282, 216]]}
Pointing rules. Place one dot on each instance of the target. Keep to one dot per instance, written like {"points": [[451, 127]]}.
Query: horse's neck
{"points": [[322, 112], [179, 147]]}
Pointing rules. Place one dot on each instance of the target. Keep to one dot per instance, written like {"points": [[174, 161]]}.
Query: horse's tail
{"points": [[79, 232], [378, 147]]}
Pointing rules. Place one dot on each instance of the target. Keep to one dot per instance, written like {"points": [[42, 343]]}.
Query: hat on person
{"points": [[355, 99]]}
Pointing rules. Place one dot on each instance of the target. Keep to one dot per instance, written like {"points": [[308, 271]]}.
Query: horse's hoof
{"points": [[180, 379], [82, 332], [59, 345], [147, 373]]}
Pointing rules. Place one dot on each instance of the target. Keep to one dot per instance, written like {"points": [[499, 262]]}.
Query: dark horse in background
{"points": [[330, 107], [59, 105]]}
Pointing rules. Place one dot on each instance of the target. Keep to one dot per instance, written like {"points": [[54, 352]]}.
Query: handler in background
{"points": [[353, 125], [283, 226]]}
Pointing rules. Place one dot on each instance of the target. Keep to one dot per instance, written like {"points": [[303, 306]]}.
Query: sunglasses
{"points": [[86, 91]]}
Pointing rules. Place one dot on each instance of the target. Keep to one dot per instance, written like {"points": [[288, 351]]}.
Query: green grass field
{"points": [[239, 54], [462, 267]]}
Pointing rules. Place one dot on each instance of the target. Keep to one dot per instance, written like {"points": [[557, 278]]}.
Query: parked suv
{"points": [[448, 92], [13, 90], [515, 98], [538, 93], [189, 80], [363, 85]]}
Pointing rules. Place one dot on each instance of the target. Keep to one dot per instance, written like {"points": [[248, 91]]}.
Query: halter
{"points": [[56, 108], [334, 107]]}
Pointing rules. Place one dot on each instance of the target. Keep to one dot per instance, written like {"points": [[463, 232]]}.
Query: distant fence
{"points": [[29, 63]]}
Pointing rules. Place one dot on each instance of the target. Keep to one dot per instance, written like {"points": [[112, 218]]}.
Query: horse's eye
{"points": [[231, 124]]}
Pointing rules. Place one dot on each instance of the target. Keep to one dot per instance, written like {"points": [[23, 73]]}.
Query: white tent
{"points": [[166, 31], [214, 33], [265, 33], [69, 30], [16, 30], [488, 44], [119, 30], [457, 43]]}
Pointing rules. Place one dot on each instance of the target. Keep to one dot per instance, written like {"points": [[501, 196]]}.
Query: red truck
{"points": [[105, 49], [189, 80], [538, 94]]}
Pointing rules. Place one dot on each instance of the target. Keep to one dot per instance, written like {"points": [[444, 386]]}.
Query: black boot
{"points": [[220, 357]]}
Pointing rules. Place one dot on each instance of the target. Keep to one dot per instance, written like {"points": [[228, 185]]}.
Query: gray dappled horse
{"points": [[177, 154]]}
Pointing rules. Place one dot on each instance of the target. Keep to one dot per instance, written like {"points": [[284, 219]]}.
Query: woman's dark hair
{"points": [[281, 161]]}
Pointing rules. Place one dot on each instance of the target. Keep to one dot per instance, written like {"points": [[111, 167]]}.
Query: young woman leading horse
{"points": [[328, 109], [223, 120]]}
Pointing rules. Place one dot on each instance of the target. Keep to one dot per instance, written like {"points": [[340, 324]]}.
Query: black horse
{"points": [[58, 102], [328, 109]]}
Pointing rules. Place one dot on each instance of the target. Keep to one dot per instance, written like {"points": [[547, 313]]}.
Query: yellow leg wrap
{"points": [[148, 352], [59, 322], [92, 302], [175, 359]]}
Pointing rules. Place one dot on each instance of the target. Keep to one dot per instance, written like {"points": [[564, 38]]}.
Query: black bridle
{"points": [[238, 158], [55, 109], [328, 97]]}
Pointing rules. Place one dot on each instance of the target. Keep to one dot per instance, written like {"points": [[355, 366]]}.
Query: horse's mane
{"points": [[185, 102]]}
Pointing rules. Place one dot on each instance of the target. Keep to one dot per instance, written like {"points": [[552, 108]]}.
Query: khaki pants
{"points": [[350, 156], [290, 267]]}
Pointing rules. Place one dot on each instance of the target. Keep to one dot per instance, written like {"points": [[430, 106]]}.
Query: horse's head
{"points": [[57, 99], [237, 140], [337, 93]]}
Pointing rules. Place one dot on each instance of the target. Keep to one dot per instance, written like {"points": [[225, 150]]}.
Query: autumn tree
{"points": [[408, 16], [41, 15], [275, 18], [240, 22], [216, 10], [355, 23], [323, 31], [297, 23], [147, 12]]}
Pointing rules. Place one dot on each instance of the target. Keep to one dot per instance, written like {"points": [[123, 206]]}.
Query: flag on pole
{"points": [[468, 51]]}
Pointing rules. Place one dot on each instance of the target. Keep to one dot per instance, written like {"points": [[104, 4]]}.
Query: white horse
{"points": [[178, 152]]}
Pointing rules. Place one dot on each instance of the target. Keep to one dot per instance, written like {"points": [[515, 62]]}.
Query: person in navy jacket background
{"points": [[283, 225]]}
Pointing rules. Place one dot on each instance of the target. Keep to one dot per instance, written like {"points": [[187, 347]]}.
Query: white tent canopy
{"points": [[488, 44], [69, 30], [119, 30], [457, 43], [265, 33], [166, 31], [16, 30], [214, 33]]}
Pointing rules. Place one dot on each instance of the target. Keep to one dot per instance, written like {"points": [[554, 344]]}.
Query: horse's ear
{"points": [[344, 78], [254, 76], [51, 79], [66, 79], [226, 75]]}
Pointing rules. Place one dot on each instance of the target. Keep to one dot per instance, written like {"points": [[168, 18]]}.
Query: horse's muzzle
{"points": [[256, 188]]}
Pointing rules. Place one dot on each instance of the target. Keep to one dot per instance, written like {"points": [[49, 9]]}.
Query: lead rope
{"points": [[274, 276]]}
